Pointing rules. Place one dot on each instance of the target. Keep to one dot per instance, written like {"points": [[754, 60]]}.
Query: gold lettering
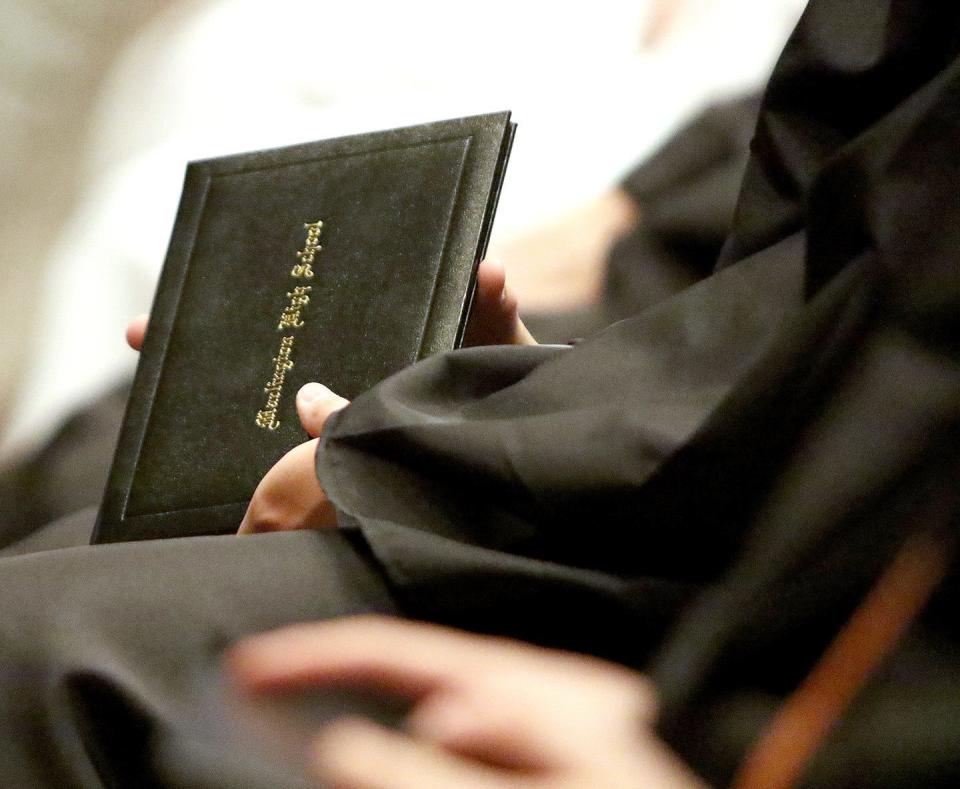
{"points": [[307, 255], [267, 416], [267, 419], [290, 317], [302, 270]]}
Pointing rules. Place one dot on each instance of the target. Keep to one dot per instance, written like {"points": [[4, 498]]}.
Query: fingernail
{"points": [[312, 391]]}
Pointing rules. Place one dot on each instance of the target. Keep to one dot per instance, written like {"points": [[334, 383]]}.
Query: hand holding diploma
{"points": [[289, 496]]}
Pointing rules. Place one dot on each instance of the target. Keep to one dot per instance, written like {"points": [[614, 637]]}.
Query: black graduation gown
{"points": [[705, 490], [749, 453]]}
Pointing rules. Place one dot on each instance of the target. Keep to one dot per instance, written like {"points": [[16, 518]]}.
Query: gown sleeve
{"points": [[522, 463], [644, 452]]}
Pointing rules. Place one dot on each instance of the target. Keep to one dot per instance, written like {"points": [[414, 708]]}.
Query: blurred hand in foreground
{"points": [[488, 713]]}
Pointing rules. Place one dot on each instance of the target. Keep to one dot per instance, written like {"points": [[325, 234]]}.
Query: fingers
{"points": [[488, 712], [315, 403], [408, 658], [521, 335], [289, 496], [494, 319], [491, 281], [354, 754], [136, 331], [485, 729]]}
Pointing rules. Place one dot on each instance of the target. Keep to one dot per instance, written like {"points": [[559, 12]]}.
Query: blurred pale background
{"points": [[102, 103]]}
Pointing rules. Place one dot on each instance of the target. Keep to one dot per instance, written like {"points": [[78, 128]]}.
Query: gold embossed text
{"points": [[308, 254], [291, 319], [267, 416]]}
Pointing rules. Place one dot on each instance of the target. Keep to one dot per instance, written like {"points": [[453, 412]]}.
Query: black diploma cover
{"points": [[339, 261]]}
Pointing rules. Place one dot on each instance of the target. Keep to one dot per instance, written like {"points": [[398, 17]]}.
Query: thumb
{"points": [[314, 404]]}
